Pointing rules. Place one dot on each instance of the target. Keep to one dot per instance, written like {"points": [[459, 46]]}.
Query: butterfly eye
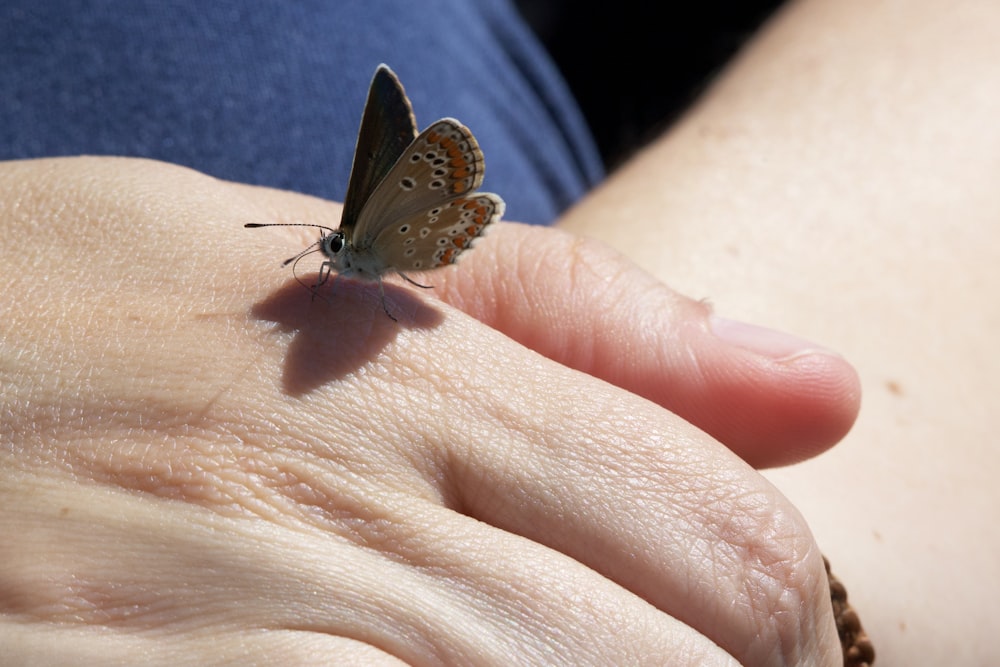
{"points": [[334, 243]]}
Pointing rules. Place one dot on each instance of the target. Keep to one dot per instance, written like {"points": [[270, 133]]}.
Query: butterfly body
{"points": [[411, 202]]}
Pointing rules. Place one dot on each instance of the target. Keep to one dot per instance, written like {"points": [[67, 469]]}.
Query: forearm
{"points": [[840, 181], [843, 122]]}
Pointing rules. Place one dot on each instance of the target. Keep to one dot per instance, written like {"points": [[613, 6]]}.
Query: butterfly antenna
{"points": [[295, 260], [254, 225], [310, 249]]}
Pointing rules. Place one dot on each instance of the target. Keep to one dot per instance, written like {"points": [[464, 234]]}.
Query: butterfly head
{"points": [[338, 252], [351, 261]]}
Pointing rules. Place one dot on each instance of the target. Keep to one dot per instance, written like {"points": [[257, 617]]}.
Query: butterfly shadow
{"points": [[340, 329]]}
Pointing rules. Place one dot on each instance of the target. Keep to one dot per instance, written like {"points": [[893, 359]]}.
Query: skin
{"points": [[202, 463], [550, 458], [840, 181]]}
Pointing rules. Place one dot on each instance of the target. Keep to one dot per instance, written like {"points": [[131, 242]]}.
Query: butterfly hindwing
{"points": [[435, 237], [388, 127], [443, 163]]}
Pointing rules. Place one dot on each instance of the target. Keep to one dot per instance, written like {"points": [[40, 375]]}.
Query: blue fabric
{"points": [[271, 92]]}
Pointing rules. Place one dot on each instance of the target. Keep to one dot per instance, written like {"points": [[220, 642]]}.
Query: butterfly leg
{"points": [[385, 306], [325, 271], [413, 282]]}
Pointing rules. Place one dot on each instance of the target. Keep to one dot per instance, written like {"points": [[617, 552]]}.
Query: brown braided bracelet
{"points": [[858, 649]]}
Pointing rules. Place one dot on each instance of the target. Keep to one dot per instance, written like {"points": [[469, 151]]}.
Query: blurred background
{"points": [[635, 65]]}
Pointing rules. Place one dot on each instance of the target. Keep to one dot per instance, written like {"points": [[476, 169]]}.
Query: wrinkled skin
{"points": [[201, 462]]}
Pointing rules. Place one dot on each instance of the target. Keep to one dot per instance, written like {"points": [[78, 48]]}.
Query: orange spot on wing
{"points": [[447, 257]]}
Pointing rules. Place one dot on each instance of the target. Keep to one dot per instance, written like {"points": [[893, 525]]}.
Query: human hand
{"points": [[202, 463]]}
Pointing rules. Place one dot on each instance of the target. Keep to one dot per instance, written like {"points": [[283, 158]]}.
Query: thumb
{"points": [[772, 398]]}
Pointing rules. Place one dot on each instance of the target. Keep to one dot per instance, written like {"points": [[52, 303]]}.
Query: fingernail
{"points": [[776, 345]]}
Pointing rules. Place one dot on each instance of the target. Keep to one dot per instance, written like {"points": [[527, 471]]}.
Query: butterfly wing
{"points": [[443, 163], [435, 237], [387, 129]]}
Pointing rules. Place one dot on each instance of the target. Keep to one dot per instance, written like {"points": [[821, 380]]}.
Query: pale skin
{"points": [[841, 181], [200, 463]]}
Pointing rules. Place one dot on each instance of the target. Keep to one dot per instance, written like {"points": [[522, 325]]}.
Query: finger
{"points": [[498, 432], [438, 588], [591, 471], [649, 501], [93, 645], [772, 398], [582, 467]]}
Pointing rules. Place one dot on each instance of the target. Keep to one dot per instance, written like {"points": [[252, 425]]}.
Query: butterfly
{"points": [[411, 202]]}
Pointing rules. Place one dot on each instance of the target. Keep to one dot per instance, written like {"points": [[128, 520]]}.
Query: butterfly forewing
{"points": [[387, 129], [443, 163], [435, 237]]}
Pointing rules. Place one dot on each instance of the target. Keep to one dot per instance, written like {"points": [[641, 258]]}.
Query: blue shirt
{"points": [[271, 93]]}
